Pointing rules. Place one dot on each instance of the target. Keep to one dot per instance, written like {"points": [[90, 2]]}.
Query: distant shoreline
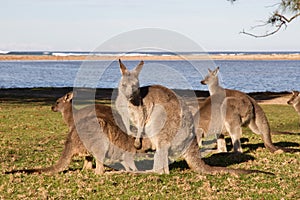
{"points": [[5, 57]]}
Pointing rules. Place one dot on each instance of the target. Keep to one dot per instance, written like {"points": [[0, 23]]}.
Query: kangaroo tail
{"points": [[193, 159], [60, 165], [283, 133]]}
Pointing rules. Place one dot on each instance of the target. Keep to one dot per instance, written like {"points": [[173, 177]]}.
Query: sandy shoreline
{"points": [[154, 57]]}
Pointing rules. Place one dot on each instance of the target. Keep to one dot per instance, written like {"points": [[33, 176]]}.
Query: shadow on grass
{"points": [[285, 146], [219, 160]]}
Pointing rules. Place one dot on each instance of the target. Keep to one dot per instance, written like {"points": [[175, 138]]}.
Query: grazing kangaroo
{"points": [[110, 132], [235, 109], [74, 144], [105, 140], [168, 123], [295, 101]]}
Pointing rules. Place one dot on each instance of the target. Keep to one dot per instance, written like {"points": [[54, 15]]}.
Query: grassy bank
{"points": [[33, 136]]}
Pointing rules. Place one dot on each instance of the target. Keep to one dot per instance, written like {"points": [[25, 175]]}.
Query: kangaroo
{"points": [[234, 110], [75, 145], [104, 139], [128, 89], [168, 123], [295, 101]]}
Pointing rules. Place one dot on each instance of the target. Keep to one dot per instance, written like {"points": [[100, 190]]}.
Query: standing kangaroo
{"points": [[129, 102], [235, 109], [295, 101], [167, 122]]}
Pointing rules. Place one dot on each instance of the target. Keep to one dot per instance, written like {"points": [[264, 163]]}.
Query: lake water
{"points": [[247, 76]]}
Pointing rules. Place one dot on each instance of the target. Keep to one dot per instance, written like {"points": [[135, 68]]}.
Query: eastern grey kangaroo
{"points": [[168, 123], [235, 109], [73, 144], [132, 112], [101, 119], [100, 129], [295, 101]]}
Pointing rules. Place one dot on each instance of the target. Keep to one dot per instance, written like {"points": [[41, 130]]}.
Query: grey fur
{"points": [[164, 109], [236, 109], [295, 102]]}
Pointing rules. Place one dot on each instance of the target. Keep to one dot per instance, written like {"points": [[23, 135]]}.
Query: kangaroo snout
{"points": [[203, 82], [54, 109]]}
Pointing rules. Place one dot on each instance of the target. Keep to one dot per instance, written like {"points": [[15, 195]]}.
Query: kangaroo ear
{"points": [[122, 67], [138, 68], [69, 97], [209, 70], [216, 71]]}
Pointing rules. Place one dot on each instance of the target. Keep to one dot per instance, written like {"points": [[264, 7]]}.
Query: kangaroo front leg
{"points": [[140, 131], [88, 163]]}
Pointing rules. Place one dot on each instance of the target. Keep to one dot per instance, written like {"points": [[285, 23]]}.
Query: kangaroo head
{"points": [[295, 98], [62, 102], [129, 84], [211, 77]]}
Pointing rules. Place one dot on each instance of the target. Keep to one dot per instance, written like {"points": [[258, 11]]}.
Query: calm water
{"points": [[247, 76]]}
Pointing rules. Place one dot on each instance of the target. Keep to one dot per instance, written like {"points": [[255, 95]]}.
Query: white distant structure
{"points": [[4, 52]]}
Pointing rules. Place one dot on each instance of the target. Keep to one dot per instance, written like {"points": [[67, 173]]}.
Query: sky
{"points": [[83, 25]]}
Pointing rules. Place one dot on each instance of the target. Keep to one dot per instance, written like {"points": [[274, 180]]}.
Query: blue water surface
{"points": [[247, 76]]}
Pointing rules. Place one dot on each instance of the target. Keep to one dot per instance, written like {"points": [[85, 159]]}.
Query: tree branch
{"points": [[276, 20]]}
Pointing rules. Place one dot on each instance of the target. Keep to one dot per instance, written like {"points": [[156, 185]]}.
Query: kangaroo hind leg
{"points": [[221, 143], [128, 162], [161, 165], [235, 130]]}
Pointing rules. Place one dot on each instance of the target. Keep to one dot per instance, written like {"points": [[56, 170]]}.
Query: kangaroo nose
{"points": [[53, 108], [203, 82]]}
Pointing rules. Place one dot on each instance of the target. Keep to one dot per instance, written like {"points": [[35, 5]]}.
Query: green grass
{"points": [[33, 136]]}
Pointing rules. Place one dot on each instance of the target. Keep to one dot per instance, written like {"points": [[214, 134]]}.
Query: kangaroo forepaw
{"points": [[137, 143]]}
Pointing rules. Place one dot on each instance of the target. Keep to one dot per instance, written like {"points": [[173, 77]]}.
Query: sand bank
{"points": [[154, 57]]}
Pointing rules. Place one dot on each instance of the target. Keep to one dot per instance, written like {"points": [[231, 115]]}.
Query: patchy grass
{"points": [[33, 136]]}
